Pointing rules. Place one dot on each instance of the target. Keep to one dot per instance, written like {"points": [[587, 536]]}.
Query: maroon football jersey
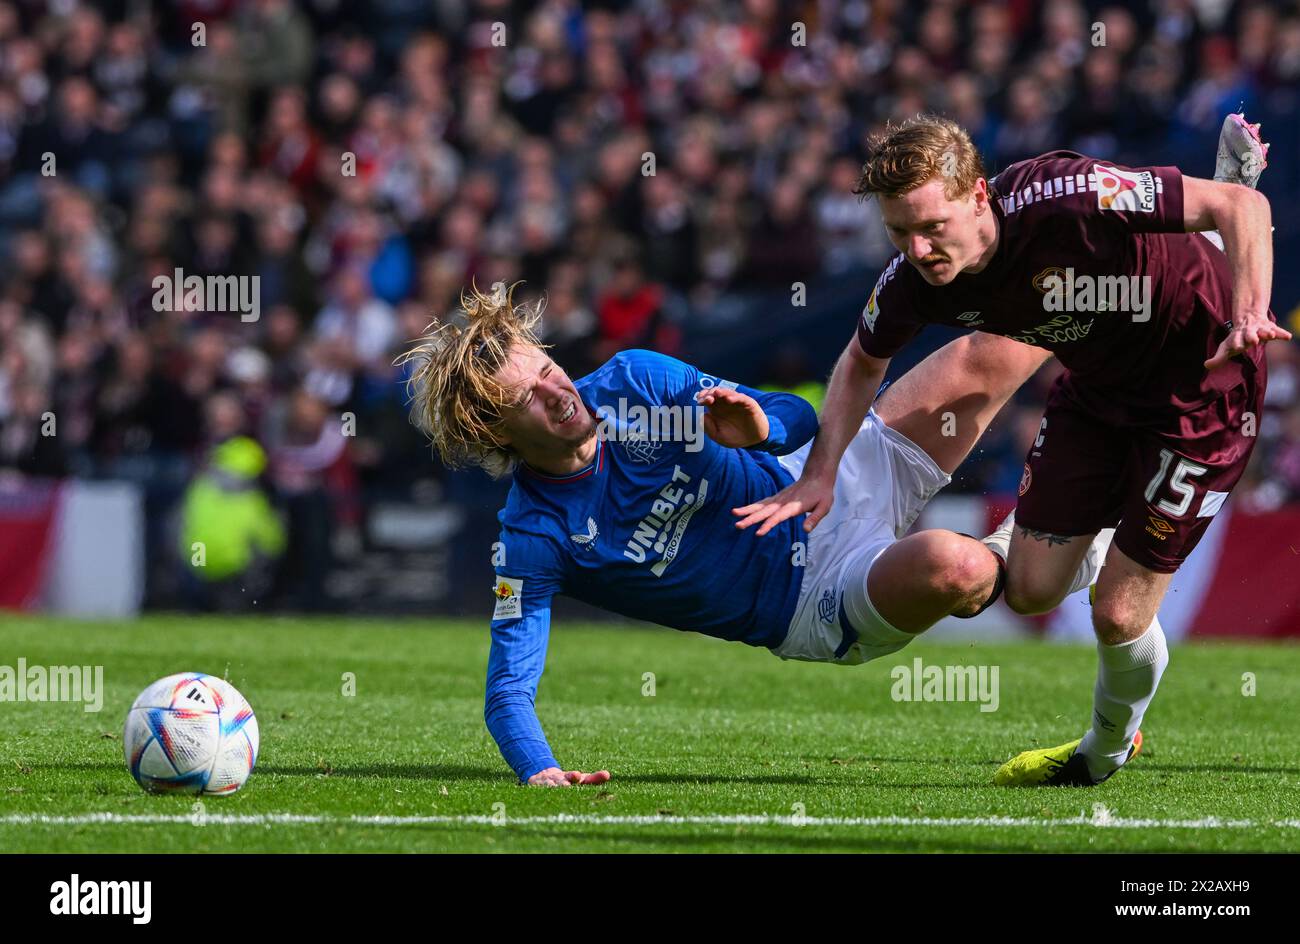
{"points": [[1072, 234]]}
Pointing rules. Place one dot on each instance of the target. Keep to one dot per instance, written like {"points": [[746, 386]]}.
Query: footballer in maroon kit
{"points": [[1136, 399], [1161, 332]]}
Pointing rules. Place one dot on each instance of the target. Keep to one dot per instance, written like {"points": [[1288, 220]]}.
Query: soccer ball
{"points": [[190, 733]]}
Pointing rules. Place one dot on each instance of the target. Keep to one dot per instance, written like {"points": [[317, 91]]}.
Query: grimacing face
{"points": [[940, 237], [548, 418]]}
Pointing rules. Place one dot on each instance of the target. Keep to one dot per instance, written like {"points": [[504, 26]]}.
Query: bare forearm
{"points": [[1245, 223], [1247, 230], [849, 396]]}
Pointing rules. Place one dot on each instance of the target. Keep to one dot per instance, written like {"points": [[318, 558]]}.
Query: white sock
{"points": [[1127, 676], [876, 635], [999, 542]]}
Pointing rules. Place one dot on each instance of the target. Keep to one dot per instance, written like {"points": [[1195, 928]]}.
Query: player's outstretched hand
{"points": [[811, 495], [731, 418], [555, 777], [1246, 334]]}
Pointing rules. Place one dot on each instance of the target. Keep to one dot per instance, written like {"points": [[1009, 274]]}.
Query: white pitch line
{"points": [[1108, 821]]}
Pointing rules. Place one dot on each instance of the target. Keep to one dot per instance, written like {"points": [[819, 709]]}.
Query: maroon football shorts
{"points": [[1159, 484]]}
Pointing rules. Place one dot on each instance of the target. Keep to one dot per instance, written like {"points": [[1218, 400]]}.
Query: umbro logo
{"points": [[1159, 528], [971, 319]]}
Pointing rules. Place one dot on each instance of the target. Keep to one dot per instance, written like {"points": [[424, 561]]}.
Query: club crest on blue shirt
{"points": [[642, 450]]}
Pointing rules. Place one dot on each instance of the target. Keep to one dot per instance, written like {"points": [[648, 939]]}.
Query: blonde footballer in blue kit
{"points": [[645, 525]]}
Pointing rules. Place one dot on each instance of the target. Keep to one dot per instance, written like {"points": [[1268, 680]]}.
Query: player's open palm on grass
{"points": [[555, 777]]}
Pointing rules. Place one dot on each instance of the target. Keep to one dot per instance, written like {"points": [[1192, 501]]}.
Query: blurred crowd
{"points": [[365, 160]]}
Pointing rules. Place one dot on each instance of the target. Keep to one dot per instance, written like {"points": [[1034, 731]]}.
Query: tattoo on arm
{"points": [[1051, 539]]}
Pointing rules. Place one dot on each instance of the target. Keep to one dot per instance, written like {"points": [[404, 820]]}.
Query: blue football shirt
{"points": [[646, 530]]}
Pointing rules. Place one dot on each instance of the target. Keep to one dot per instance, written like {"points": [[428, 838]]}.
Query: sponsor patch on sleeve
{"points": [[1123, 190], [509, 593], [871, 312]]}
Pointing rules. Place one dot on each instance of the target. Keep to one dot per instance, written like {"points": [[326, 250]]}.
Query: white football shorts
{"points": [[884, 481]]}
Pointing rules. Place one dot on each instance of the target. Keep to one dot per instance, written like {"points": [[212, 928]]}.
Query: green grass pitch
{"points": [[735, 750]]}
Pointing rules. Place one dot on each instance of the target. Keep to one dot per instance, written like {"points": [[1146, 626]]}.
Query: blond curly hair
{"points": [[455, 397]]}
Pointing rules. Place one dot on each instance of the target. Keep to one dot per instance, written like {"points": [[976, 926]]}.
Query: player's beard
{"points": [[582, 434], [587, 435]]}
